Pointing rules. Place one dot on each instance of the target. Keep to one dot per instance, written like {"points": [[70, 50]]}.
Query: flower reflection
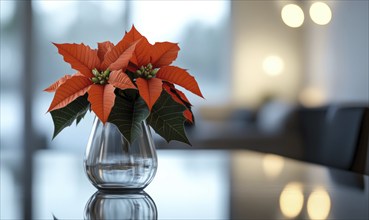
{"points": [[291, 200], [319, 204], [125, 205]]}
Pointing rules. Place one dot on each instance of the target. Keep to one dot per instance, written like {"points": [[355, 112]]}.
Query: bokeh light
{"points": [[291, 200], [319, 204], [320, 13], [292, 15], [273, 65]]}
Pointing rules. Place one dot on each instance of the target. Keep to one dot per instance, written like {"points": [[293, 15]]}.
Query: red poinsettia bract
{"points": [[99, 73], [151, 67]]}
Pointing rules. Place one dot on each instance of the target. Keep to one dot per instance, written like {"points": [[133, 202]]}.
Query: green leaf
{"points": [[167, 119], [128, 115], [129, 94], [64, 117], [82, 114], [130, 74]]}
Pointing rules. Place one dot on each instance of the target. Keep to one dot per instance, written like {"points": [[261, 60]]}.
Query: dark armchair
{"points": [[336, 136]]}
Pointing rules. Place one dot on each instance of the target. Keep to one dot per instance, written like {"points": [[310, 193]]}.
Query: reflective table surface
{"points": [[200, 184]]}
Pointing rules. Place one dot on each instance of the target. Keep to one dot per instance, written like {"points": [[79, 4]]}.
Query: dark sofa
{"points": [[331, 135]]}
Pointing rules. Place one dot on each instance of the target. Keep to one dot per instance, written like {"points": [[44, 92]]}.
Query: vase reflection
{"points": [[122, 205]]}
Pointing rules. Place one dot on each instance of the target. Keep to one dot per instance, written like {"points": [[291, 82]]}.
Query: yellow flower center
{"points": [[146, 72], [100, 77]]}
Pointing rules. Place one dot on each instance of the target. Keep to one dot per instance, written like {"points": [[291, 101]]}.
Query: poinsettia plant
{"points": [[125, 84]]}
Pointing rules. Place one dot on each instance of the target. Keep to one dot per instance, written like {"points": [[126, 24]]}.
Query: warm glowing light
{"points": [[273, 65], [312, 97], [291, 200], [272, 165], [320, 13], [292, 15], [319, 204]]}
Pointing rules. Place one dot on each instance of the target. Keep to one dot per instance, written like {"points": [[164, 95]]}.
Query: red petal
{"points": [[81, 57], [182, 96], [142, 53], [164, 53], [102, 99], [180, 77], [188, 115], [176, 92], [55, 85], [131, 66], [167, 88], [120, 80], [129, 38], [104, 48], [149, 90], [69, 91], [122, 61]]}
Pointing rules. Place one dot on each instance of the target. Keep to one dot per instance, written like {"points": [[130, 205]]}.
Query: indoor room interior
{"points": [[284, 82]]}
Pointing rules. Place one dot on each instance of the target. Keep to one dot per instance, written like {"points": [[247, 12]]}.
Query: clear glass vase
{"points": [[112, 163], [129, 205]]}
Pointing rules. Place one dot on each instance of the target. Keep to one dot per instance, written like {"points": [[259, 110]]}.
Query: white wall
{"points": [[337, 54], [330, 62], [258, 31]]}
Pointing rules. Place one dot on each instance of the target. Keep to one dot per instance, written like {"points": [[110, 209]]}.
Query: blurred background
{"points": [[255, 61]]}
